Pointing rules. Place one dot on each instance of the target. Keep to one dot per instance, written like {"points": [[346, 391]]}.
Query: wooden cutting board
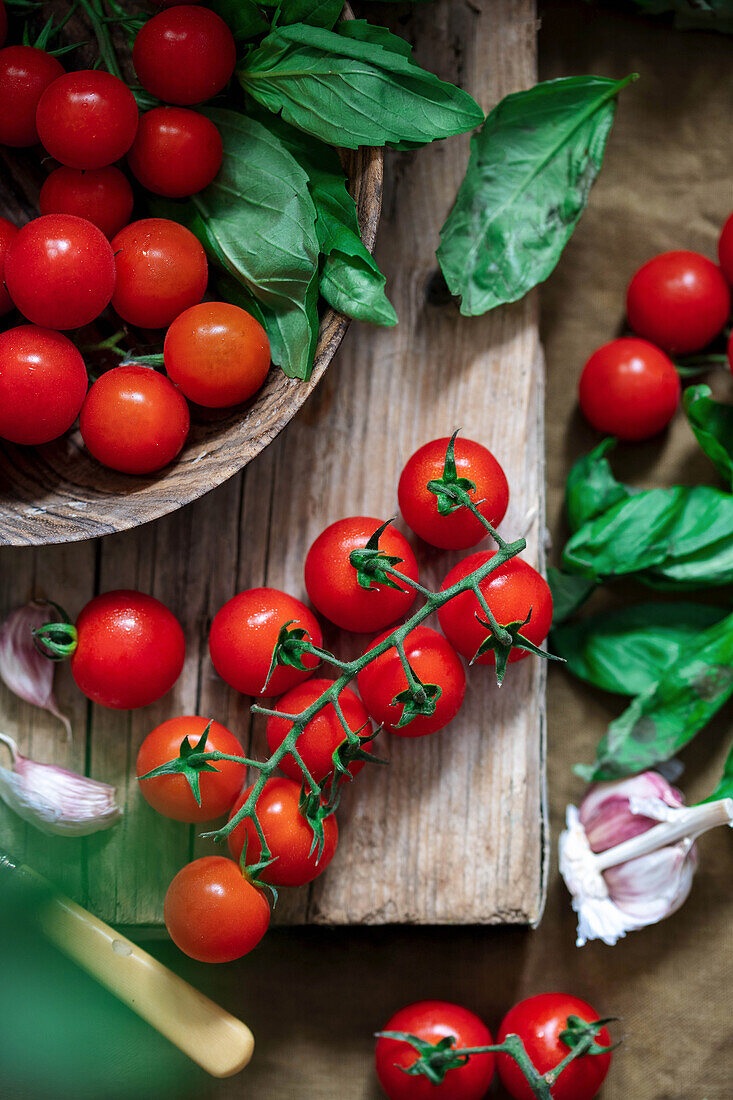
{"points": [[454, 830]]}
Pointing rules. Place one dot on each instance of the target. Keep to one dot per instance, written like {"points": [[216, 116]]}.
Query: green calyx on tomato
{"points": [[193, 760], [351, 750], [435, 1059], [579, 1033], [289, 649], [57, 641], [502, 649], [370, 562], [417, 699], [450, 489]]}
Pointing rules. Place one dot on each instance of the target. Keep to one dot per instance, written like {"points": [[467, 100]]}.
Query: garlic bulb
{"points": [[25, 671], [628, 855], [55, 800]]}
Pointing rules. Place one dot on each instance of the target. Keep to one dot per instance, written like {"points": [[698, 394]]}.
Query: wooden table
{"points": [[453, 831]]}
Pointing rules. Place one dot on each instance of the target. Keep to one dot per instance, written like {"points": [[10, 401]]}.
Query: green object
{"points": [[591, 489], [629, 650], [243, 17], [529, 175], [724, 788], [712, 424], [348, 92], [667, 716], [569, 592], [318, 13]]}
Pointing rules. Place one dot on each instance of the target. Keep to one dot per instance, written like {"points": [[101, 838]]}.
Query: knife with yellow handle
{"points": [[210, 1036]]}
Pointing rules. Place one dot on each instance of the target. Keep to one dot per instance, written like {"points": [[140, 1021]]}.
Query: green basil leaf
{"points": [[671, 538], [356, 288], [318, 13], [667, 716], [712, 424], [569, 592], [349, 92], [379, 36], [530, 171], [243, 17], [724, 788], [591, 489], [627, 651], [257, 220]]}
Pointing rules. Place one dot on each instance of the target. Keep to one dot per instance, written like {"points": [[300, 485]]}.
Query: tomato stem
{"points": [[95, 14]]}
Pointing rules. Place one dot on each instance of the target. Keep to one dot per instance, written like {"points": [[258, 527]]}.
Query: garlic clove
{"points": [[55, 800], [605, 810], [25, 671]]}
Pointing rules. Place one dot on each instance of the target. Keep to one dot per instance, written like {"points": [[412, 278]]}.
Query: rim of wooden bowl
{"points": [[58, 493]]}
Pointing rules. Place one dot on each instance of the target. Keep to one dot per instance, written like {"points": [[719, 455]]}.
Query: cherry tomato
{"points": [[511, 591], [3, 23], [171, 795], [130, 650], [102, 195], [8, 232], [87, 119], [176, 153], [434, 1021], [213, 913], [435, 661], [419, 506], [725, 249], [184, 55], [60, 271], [332, 584], [323, 734], [217, 354], [243, 636], [161, 271], [43, 383], [25, 73], [289, 836], [134, 420], [538, 1021], [629, 388], [678, 300]]}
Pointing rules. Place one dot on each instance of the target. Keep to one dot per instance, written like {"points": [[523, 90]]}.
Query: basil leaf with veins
{"points": [[712, 424], [530, 171]]}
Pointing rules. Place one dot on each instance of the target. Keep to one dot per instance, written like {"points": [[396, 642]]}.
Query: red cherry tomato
{"points": [[60, 271], [217, 354], [185, 55], [87, 119], [725, 249], [419, 506], [43, 382], [629, 388], [3, 23], [134, 420], [323, 734], [332, 584], [213, 913], [161, 271], [511, 591], [678, 300], [176, 153], [244, 633], [433, 1021], [171, 795], [8, 232], [25, 73], [289, 836], [130, 650], [434, 661], [538, 1021], [102, 195]]}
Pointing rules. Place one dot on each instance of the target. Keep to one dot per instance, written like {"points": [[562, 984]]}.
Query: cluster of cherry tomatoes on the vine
{"points": [[83, 254], [676, 304], [127, 650], [428, 1063]]}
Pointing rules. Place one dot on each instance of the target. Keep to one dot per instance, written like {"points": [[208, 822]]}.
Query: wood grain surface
{"points": [[58, 492], [453, 831]]}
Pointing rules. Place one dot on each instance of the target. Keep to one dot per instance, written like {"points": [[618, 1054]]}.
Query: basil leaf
{"points": [[667, 716], [349, 92], [243, 17], [627, 651], [569, 592], [671, 538], [318, 13], [379, 36], [356, 288], [257, 220], [530, 171], [591, 489], [712, 424]]}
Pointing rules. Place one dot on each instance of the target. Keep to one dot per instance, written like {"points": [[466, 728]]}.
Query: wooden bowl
{"points": [[59, 493]]}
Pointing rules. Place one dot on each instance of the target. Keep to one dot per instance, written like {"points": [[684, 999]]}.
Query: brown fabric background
{"points": [[314, 996]]}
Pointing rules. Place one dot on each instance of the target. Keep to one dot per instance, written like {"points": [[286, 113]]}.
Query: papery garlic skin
{"points": [[25, 671], [628, 855], [54, 800]]}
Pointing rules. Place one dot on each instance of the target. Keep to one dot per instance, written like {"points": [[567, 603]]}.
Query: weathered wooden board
{"points": [[453, 830]]}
